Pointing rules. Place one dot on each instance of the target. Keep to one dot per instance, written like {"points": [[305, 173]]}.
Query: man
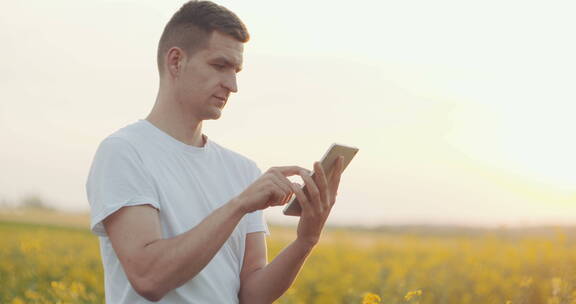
{"points": [[179, 216]]}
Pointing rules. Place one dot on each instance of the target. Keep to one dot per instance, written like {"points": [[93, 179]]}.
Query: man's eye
{"points": [[219, 66]]}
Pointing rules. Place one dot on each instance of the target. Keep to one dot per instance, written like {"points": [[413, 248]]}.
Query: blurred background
{"points": [[463, 112]]}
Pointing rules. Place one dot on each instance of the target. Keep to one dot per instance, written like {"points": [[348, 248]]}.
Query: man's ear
{"points": [[174, 61]]}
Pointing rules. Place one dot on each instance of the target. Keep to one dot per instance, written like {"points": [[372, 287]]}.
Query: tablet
{"points": [[328, 163]]}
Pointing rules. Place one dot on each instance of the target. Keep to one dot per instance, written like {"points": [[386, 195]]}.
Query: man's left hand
{"points": [[317, 201]]}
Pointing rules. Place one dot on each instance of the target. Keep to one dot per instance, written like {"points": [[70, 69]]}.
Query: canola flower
{"points": [[43, 264], [412, 295], [371, 298]]}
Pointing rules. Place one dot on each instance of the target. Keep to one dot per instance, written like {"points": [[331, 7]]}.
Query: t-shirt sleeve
{"points": [[256, 220], [117, 178]]}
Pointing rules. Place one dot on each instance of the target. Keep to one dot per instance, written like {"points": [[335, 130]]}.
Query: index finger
{"points": [[290, 170]]}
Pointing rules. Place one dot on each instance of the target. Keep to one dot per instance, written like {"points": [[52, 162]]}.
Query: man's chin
{"points": [[214, 115]]}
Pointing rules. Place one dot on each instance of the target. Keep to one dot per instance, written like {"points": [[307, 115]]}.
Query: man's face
{"points": [[209, 76]]}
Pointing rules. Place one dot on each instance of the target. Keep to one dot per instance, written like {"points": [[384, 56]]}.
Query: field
{"points": [[46, 263]]}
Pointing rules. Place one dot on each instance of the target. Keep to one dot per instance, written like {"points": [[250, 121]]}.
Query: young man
{"points": [[179, 216]]}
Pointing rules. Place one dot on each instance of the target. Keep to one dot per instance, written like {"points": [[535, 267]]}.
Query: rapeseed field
{"points": [[48, 264]]}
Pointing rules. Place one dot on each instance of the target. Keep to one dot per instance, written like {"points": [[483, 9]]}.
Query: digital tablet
{"points": [[328, 163]]}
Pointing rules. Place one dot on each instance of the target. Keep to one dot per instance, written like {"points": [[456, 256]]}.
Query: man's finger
{"points": [[323, 186], [288, 198], [335, 181], [302, 199], [312, 192], [290, 170], [275, 196], [281, 182]]}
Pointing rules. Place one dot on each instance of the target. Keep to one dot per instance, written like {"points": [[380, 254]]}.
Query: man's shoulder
{"points": [[129, 132], [125, 140], [128, 135]]}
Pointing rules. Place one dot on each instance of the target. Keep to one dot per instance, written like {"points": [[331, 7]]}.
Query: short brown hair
{"points": [[191, 26]]}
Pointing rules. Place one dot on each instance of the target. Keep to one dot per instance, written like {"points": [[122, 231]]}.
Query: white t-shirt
{"points": [[141, 164]]}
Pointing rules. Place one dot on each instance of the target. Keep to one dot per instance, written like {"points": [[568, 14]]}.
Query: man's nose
{"points": [[230, 83]]}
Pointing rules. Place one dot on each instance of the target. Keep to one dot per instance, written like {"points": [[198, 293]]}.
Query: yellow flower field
{"points": [[47, 264]]}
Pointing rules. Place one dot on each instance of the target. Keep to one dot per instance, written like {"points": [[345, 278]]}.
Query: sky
{"points": [[462, 111]]}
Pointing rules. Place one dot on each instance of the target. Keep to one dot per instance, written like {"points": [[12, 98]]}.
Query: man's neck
{"points": [[175, 123]]}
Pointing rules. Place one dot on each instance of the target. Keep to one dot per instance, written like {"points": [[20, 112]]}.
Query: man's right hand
{"points": [[272, 188]]}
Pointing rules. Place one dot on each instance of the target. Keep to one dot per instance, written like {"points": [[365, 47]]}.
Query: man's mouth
{"points": [[223, 99]]}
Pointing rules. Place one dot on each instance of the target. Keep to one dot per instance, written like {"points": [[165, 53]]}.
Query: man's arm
{"points": [[264, 283], [154, 266]]}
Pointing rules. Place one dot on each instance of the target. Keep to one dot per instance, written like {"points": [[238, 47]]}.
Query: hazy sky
{"points": [[463, 111]]}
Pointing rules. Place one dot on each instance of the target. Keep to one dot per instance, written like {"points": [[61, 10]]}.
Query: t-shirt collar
{"points": [[176, 143]]}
